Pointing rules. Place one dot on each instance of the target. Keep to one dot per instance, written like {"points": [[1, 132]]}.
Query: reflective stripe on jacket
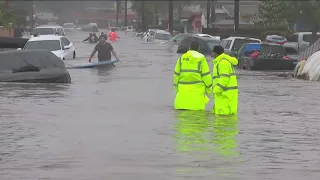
{"points": [[192, 80]]}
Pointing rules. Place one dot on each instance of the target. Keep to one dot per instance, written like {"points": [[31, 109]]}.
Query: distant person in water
{"points": [[104, 50], [89, 39], [113, 36], [103, 35], [95, 38]]}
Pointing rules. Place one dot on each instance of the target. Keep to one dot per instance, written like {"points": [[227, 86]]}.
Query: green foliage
{"points": [[280, 11], [6, 18]]}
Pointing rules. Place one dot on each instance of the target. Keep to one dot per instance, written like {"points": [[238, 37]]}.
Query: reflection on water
{"points": [[225, 130], [208, 140]]}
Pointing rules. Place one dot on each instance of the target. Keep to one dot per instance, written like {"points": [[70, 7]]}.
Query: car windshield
{"points": [[161, 36], [51, 45], [129, 27], [212, 43], [239, 42], [44, 31], [272, 49]]}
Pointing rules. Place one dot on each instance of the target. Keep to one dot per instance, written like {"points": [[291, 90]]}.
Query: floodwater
{"points": [[120, 124]]}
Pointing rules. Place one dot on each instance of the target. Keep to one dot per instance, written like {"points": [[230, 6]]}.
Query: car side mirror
{"points": [[66, 47], [19, 49]]}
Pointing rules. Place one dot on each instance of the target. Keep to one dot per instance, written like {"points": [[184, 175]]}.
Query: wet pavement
{"points": [[119, 123]]}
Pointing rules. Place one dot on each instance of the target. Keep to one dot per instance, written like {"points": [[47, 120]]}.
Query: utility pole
{"points": [[236, 15], [125, 13], [143, 17], [208, 13], [117, 2], [213, 11], [32, 15], [170, 17]]}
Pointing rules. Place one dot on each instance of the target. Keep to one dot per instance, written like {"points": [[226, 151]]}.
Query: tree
{"points": [[292, 12], [6, 19]]}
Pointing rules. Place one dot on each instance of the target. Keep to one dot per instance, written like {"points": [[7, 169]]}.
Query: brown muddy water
{"points": [[119, 124]]}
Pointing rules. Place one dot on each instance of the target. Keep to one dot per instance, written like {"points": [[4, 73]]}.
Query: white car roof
{"points": [[235, 37], [161, 31], [48, 27], [45, 37]]}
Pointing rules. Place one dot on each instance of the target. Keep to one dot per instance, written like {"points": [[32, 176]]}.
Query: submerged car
{"points": [[91, 27], [32, 66], [157, 35], [206, 44], [261, 56], [69, 27], [58, 45]]}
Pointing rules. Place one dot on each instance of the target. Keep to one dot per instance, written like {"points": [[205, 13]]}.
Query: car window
{"points": [[51, 45], [65, 41], [293, 38], [239, 42], [203, 44], [228, 44], [224, 43], [44, 31], [161, 36], [309, 38], [186, 41], [152, 33], [180, 38], [212, 43]]}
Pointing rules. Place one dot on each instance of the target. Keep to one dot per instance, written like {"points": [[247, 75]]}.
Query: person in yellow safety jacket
{"points": [[192, 80], [225, 84]]}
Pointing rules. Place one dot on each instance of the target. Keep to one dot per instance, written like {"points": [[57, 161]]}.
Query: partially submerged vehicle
{"points": [[262, 56], [206, 44], [7, 43], [32, 66], [232, 44], [91, 27]]}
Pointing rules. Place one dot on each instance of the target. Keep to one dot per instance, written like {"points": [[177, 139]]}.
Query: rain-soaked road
{"points": [[119, 124]]}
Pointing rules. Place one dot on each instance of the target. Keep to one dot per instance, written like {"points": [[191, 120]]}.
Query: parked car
{"points": [[32, 66], [266, 57], [58, 45], [206, 44], [48, 30], [209, 36], [178, 38], [69, 27], [156, 35], [91, 27], [232, 45]]}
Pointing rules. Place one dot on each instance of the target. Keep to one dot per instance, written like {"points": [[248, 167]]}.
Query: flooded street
{"points": [[119, 124]]}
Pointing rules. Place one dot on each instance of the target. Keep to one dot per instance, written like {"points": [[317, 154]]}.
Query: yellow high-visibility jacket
{"points": [[192, 80], [225, 85]]}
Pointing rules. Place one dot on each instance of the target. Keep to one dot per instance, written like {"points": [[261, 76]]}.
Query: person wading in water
{"points": [[104, 50]]}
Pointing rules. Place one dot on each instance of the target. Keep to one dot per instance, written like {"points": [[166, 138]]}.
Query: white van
{"points": [[49, 30], [233, 44]]}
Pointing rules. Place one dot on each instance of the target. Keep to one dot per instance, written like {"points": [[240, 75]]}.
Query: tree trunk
{"points": [[236, 15], [170, 17], [125, 12], [314, 34], [213, 11], [208, 13], [143, 17], [156, 10]]}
